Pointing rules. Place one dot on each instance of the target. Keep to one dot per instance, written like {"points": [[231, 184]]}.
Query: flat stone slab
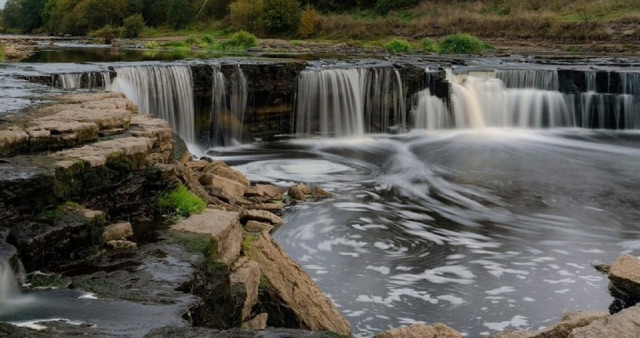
{"points": [[625, 276], [221, 227]]}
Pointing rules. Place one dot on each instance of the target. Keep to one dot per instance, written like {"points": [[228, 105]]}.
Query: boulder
{"points": [[186, 176], [221, 187], [244, 286], [624, 324], [299, 297], [624, 276], [299, 192], [117, 231], [261, 216], [121, 244], [421, 331], [272, 207], [268, 191], [570, 321], [257, 323], [255, 226], [221, 169], [222, 229], [319, 193]]}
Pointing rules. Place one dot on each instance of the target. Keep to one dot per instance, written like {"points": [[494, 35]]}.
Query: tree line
{"points": [[265, 17]]}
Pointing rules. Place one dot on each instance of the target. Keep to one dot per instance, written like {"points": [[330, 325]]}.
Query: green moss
{"points": [[181, 202], [461, 44], [399, 46], [247, 242]]}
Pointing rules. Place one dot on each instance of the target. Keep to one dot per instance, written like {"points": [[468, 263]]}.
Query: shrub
{"points": [[151, 45], [181, 202], [428, 45], [208, 38], [398, 46], [108, 33], [1, 53], [240, 40], [132, 26], [178, 14], [246, 14], [191, 40], [309, 20], [461, 44], [281, 16]]}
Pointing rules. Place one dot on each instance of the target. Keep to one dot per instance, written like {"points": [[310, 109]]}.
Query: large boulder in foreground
{"points": [[625, 277], [570, 321], [421, 331], [221, 228], [299, 298], [624, 324]]}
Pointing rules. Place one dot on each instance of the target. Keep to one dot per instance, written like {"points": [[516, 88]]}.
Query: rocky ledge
{"points": [[79, 186]]}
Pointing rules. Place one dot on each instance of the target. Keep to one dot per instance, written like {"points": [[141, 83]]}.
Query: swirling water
{"points": [[484, 230]]}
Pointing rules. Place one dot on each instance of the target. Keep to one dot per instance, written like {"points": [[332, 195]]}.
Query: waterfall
{"points": [[590, 81], [162, 91], [429, 112], [629, 83], [349, 102], [612, 111], [9, 288], [90, 80], [529, 78], [484, 101], [227, 115]]}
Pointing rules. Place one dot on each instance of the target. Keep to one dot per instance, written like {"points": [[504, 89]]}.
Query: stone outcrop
{"points": [[292, 291], [261, 216], [421, 331], [299, 192], [625, 324], [117, 231], [221, 228], [255, 226], [570, 321], [624, 276], [244, 285]]}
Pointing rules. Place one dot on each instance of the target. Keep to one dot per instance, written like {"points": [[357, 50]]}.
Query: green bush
{"points": [[108, 33], [398, 46], [191, 40], [132, 26], [308, 22], [181, 202], [151, 45], [428, 45], [280, 16], [208, 38], [240, 40], [461, 44], [246, 15]]}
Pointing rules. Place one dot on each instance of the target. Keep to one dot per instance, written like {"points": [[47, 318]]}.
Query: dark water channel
{"points": [[484, 230]]}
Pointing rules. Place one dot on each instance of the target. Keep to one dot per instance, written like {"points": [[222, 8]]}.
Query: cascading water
{"points": [[90, 80], [227, 116], [429, 112], [529, 78], [162, 91], [349, 102], [9, 288]]}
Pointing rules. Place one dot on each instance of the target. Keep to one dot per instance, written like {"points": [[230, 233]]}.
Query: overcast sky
{"points": [[2, 3]]}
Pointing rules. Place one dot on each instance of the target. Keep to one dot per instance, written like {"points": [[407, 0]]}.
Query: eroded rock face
{"points": [[624, 275], [624, 324], [244, 286], [220, 227], [421, 331], [299, 299], [570, 321]]}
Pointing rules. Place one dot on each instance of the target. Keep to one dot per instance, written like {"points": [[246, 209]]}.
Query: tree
{"points": [[11, 14], [247, 15], [179, 14], [133, 26], [281, 16]]}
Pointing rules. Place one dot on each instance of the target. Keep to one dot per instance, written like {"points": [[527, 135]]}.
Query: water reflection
{"points": [[482, 230]]}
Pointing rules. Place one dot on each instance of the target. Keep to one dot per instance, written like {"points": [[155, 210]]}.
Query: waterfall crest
{"points": [[349, 102], [162, 91]]}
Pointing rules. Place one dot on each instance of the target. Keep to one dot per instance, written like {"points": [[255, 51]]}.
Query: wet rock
{"points": [[268, 191], [132, 149], [624, 324], [12, 140], [272, 207], [421, 331], [197, 166], [221, 169], [260, 216], [299, 192], [257, 323], [220, 227], [319, 193], [570, 321], [255, 226], [180, 174], [117, 231], [121, 245], [624, 276], [221, 187], [292, 299], [244, 286]]}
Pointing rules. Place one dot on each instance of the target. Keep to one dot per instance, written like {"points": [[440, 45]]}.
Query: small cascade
{"points": [[485, 101], [228, 108], [90, 80], [162, 91], [9, 288], [590, 81], [529, 78], [429, 112], [349, 102], [611, 111], [629, 83]]}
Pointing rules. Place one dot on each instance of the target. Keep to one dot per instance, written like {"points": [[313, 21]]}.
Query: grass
{"points": [[181, 202], [461, 44], [398, 46]]}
